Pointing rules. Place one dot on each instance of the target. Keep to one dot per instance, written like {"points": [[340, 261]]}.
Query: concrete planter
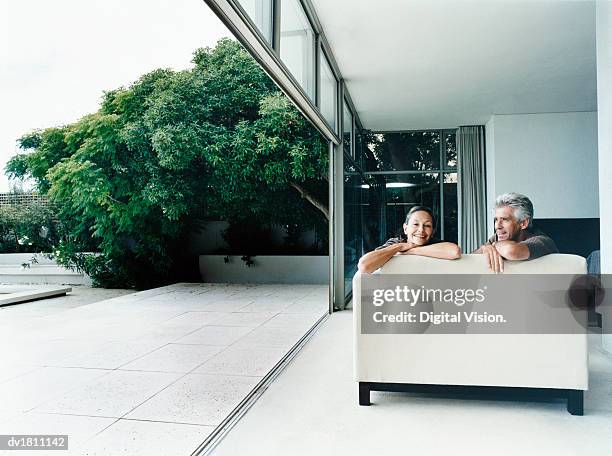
{"points": [[44, 271], [265, 269], [19, 258]]}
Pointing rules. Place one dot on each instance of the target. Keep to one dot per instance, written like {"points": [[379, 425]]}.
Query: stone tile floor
{"points": [[311, 409], [149, 373]]}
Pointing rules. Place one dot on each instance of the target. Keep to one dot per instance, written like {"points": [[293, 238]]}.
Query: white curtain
{"points": [[471, 187]]}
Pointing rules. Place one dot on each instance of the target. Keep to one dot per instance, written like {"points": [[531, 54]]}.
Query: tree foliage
{"points": [[134, 178], [412, 150]]}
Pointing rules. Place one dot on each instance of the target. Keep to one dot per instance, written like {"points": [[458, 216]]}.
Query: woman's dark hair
{"points": [[419, 209]]}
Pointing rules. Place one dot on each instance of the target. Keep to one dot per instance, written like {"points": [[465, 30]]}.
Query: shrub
{"points": [[28, 228]]}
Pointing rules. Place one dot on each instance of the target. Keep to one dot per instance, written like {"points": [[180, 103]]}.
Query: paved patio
{"points": [[149, 373]]}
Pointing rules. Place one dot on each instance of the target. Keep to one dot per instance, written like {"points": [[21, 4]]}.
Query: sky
{"points": [[57, 58]]}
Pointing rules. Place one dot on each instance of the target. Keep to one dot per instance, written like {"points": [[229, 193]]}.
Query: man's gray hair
{"points": [[521, 205]]}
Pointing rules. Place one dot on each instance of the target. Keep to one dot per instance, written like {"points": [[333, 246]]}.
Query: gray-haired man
{"points": [[515, 237]]}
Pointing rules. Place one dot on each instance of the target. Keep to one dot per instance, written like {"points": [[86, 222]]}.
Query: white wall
{"points": [[604, 106], [604, 102], [551, 158]]}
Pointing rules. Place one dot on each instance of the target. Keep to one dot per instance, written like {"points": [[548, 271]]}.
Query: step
{"points": [[10, 295], [37, 274], [20, 258], [56, 279], [36, 269], [43, 271]]}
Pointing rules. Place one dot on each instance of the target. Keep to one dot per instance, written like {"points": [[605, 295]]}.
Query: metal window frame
{"points": [[337, 289], [323, 54], [276, 14], [441, 177], [311, 72], [246, 32], [352, 132]]}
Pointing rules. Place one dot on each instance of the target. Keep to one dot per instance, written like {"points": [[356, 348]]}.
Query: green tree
{"points": [[134, 178]]}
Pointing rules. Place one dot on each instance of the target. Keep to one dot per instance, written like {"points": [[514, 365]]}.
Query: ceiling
{"points": [[440, 64]]}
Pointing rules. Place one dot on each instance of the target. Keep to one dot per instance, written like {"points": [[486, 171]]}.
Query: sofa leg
{"points": [[364, 393], [575, 402]]}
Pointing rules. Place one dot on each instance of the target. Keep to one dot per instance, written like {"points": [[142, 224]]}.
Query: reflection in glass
{"points": [[260, 12], [450, 149], [297, 44], [451, 212], [328, 89], [367, 161], [348, 128], [405, 151], [359, 155], [402, 192], [403, 170], [374, 222], [353, 233]]}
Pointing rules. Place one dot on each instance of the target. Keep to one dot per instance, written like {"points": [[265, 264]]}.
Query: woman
{"points": [[418, 240]]}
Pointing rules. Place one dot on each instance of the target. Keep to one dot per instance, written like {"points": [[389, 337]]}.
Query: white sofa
{"points": [[515, 365]]}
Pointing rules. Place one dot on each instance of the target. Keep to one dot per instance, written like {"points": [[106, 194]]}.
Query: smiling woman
{"points": [[417, 239], [419, 226]]}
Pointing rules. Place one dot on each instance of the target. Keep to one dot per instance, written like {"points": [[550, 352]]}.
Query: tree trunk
{"points": [[311, 199]]}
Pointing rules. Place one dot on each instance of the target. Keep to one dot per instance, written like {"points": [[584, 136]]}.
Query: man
{"points": [[515, 237]]}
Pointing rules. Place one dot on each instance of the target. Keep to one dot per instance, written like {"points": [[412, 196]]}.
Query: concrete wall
{"points": [[604, 106], [551, 158], [42, 271]]}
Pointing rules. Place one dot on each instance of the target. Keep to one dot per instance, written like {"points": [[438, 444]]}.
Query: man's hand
{"points": [[494, 259], [512, 250]]}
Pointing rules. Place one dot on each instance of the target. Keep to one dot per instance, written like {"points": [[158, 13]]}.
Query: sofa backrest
{"points": [[557, 263]]}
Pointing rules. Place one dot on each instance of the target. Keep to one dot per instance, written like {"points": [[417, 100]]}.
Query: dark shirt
{"points": [[538, 243], [397, 240]]}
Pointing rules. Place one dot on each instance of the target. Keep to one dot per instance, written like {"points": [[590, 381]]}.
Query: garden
{"points": [[127, 185]]}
